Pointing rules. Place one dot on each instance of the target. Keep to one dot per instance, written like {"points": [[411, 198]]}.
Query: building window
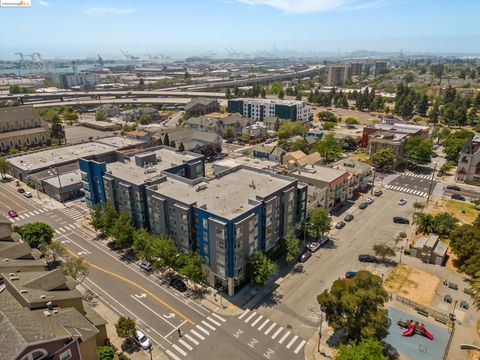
{"points": [[66, 355], [36, 354], [219, 232]]}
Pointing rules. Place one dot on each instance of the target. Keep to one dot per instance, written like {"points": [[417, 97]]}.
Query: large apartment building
{"points": [[338, 74], [259, 109]]}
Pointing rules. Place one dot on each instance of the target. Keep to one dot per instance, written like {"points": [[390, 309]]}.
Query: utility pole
{"points": [[320, 330], [373, 181], [431, 183]]}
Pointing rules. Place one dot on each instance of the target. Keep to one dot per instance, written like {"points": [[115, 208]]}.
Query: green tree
{"points": [[454, 143], [35, 234], [192, 268], [351, 121], [291, 245], [475, 288], [122, 230], [328, 125], [166, 140], [228, 133], [418, 150], [329, 147], [181, 147], [383, 158], [318, 222], [56, 129], [281, 94], [77, 268], [326, 116], [53, 251], [425, 223], [260, 268], [444, 224], [105, 352], [465, 243], [125, 328], [356, 305], [368, 349], [434, 113], [146, 245], [383, 251], [422, 105], [109, 214], [4, 167], [287, 129], [167, 252], [96, 212], [100, 116], [172, 144]]}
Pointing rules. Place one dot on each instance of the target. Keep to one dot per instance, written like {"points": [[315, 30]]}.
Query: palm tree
{"points": [[425, 223], [475, 287]]}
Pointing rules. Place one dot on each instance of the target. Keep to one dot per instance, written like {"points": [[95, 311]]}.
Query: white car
{"points": [[402, 202], [27, 194], [369, 200], [142, 340]]}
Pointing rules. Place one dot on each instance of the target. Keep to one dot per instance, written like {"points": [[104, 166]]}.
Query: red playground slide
{"points": [[425, 332], [409, 331]]}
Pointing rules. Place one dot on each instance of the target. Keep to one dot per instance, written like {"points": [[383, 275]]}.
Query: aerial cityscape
{"points": [[239, 179]]}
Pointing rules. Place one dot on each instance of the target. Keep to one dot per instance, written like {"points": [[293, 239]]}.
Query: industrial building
{"points": [[72, 80], [259, 109]]}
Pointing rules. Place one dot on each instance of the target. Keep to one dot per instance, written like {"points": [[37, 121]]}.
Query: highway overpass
{"points": [[170, 101]]}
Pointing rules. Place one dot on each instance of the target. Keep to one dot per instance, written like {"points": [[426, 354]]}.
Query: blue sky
{"points": [[189, 27]]}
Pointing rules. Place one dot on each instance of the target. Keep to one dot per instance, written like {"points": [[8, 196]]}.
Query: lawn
{"points": [[463, 211], [414, 284]]}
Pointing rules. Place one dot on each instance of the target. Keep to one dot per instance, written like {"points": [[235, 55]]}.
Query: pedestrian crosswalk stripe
{"points": [[31, 213], [172, 355], [257, 320], [180, 350], [36, 212], [284, 337], [406, 190], [25, 215], [299, 347], [197, 334], [58, 232], [244, 313], [270, 328], [292, 341], [219, 317], [208, 325], [11, 219], [213, 321], [277, 332], [62, 230], [184, 343], [263, 325], [191, 339], [250, 317], [202, 329]]}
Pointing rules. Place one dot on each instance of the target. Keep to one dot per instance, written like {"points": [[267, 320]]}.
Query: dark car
{"points": [[323, 240], [21, 190], [458, 197], [453, 187], [305, 256], [367, 258], [378, 192], [350, 274], [178, 284], [348, 218], [447, 298], [363, 205], [400, 220], [339, 225]]}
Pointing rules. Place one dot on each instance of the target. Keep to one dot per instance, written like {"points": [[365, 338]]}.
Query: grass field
{"points": [[463, 211]]}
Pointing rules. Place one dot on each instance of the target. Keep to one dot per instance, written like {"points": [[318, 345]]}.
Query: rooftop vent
{"points": [[47, 313], [201, 186], [23, 291], [43, 296]]}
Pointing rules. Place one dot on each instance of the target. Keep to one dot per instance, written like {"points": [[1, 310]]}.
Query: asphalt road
{"points": [[412, 183]]}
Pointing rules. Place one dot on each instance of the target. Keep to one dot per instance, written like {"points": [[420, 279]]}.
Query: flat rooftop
{"points": [[241, 185], [132, 173], [51, 157], [66, 179], [120, 141], [272, 101], [246, 160], [319, 173]]}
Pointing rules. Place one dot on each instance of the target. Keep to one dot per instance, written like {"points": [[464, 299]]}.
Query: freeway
{"points": [[179, 102]]}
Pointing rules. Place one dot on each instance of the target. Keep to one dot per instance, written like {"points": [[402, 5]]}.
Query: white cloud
{"points": [[44, 3], [307, 6], [108, 11]]}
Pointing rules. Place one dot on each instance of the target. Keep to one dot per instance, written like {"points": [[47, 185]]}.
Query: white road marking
{"points": [[292, 341], [172, 355], [191, 339], [263, 325], [184, 343], [58, 232], [219, 317], [180, 350], [213, 321], [299, 347], [208, 325], [62, 230], [270, 328], [36, 212], [250, 317], [31, 213], [277, 332], [197, 334], [284, 337], [202, 329], [244, 313], [153, 311], [257, 320]]}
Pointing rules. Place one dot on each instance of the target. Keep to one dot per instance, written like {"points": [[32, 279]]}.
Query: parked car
{"points": [[458, 197], [400, 220], [363, 205], [378, 192], [348, 218], [305, 256], [367, 258], [323, 240], [313, 246], [178, 284], [21, 190], [27, 194], [464, 305], [454, 187], [339, 225], [453, 286], [12, 214], [146, 265], [350, 274], [402, 202], [447, 298], [369, 201], [142, 340]]}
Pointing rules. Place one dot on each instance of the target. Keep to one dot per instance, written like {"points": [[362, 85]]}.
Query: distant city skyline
{"points": [[179, 28]]}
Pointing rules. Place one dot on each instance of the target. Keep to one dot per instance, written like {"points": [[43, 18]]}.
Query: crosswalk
{"points": [[26, 215], [421, 176], [187, 342], [273, 330], [72, 213], [407, 190], [67, 228]]}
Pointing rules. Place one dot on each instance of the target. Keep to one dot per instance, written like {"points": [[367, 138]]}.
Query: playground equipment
{"points": [[414, 328]]}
